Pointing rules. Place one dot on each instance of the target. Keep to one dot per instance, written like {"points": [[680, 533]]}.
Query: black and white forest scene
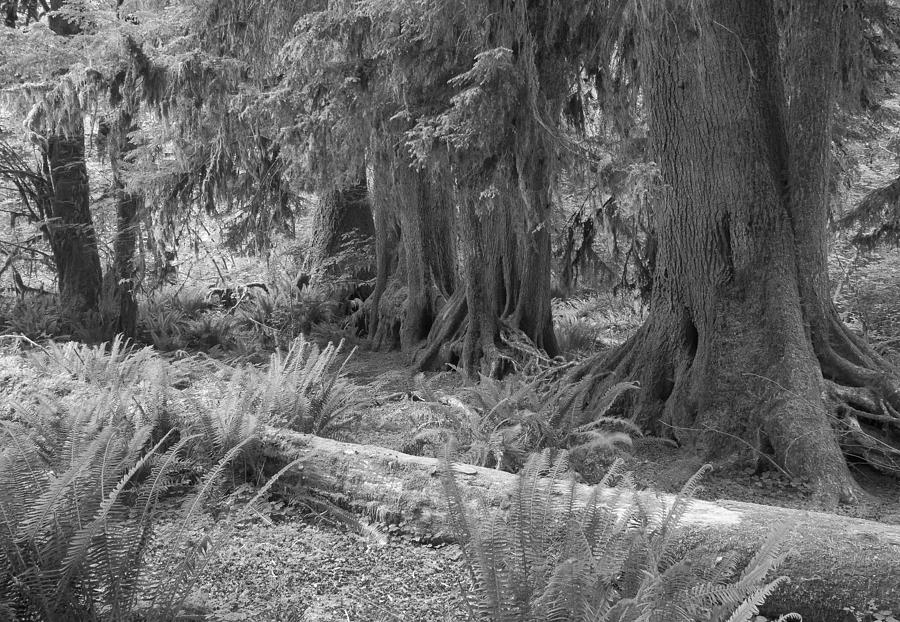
{"points": [[449, 310]]}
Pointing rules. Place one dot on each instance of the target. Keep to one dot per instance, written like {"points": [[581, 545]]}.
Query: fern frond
{"points": [[676, 511], [768, 557], [168, 592], [82, 538], [750, 607]]}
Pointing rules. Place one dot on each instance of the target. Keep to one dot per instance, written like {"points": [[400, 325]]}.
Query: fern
{"points": [[561, 556], [305, 390], [498, 423], [110, 364], [69, 542], [77, 512]]}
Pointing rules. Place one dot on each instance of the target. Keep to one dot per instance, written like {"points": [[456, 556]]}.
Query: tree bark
{"points": [[343, 215], [415, 250], [121, 279], [71, 228], [742, 327], [835, 561], [505, 256]]}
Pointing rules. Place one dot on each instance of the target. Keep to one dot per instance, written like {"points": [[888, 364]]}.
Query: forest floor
{"points": [[279, 567]]}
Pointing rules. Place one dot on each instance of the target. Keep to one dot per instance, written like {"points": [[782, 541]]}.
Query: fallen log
{"points": [[835, 563]]}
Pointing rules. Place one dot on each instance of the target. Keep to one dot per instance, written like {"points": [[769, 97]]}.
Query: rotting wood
{"points": [[835, 561]]}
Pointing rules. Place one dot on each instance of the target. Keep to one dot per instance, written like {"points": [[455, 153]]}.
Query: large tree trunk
{"points": [[343, 216], [505, 252], [834, 561], [731, 356], [811, 54], [415, 251]]}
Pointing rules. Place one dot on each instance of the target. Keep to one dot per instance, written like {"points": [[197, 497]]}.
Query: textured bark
{"points": [[741, 327], [342, 215], [415, 249], [59, 23], [505, 255], [71, 228], [120, 288], [835, 561]]}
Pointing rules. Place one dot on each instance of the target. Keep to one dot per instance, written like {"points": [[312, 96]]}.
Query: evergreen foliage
{"points": [[304, 389]]}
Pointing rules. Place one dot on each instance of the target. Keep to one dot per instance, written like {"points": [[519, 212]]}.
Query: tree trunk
{"points": [[343, 216], [415, 251], [71, 228], [834, 561], [120, 291], [732, 355], [59, 23], [505, 252]]}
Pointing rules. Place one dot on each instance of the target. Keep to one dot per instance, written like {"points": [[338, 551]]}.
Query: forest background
{"points": [[615, 220]]}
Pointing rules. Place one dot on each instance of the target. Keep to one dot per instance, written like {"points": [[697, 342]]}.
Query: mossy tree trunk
{"points": [[341, 222], [415, 251], [120, 281], [741, 327], [70, 227], [505, 256]]}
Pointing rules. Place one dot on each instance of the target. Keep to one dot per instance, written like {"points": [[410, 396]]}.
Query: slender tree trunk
{"points": [[730, 356], [121, 278], [71, 229], [11, 13]]}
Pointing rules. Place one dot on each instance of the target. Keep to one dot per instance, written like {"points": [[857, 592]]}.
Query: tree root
{"points": [[868, 428], [860, 394], [509, 351]]}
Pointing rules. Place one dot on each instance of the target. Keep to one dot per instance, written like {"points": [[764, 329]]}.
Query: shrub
{"points": [[163, 324], [558, 557], [35, 317]]}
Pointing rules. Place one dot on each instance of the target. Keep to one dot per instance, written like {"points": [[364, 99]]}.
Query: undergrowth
{"points": [[78, 492], [499, 423], [304, 389], [564, 553], [82, 472]]}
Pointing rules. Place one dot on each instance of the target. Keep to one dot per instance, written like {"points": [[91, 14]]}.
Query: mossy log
{"points": [[835, 561]]}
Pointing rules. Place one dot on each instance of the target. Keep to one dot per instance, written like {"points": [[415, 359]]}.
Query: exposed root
{"points": [[444, 344], [864, 442], [868, 427], [508, 351]]}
